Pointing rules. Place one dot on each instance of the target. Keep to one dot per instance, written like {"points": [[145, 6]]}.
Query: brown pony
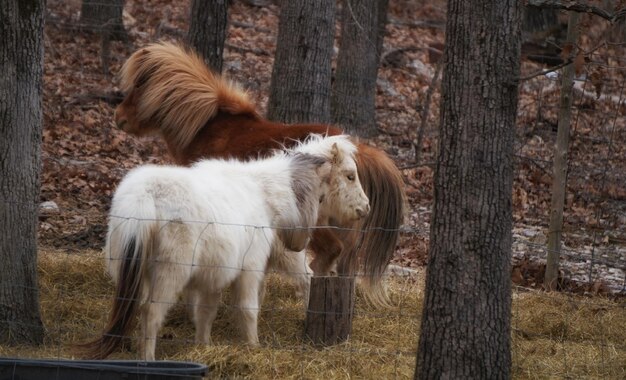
{"points": [[170, 91]]}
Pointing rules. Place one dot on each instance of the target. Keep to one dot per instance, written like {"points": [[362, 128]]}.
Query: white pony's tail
{"points": [[129, 243], [131, 218]]}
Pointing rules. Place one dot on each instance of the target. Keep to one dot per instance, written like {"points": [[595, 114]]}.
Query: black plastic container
{"points": [[61, 369]]}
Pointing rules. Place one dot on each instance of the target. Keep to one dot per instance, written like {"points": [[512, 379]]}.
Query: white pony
{"points": [[203, 228]]}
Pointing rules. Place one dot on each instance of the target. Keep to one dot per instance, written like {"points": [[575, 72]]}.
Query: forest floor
{"points": [[85, 156]]}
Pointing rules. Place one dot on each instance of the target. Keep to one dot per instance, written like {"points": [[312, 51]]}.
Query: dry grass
{"points": [[568, 337], [555, 336]]}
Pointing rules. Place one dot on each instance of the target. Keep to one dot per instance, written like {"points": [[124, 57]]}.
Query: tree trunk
{"points": [[207, 30], [465, 331], [104, 16], [559, 164], [354, 94], [383, 5], [21, 65], [617, 32], [300, 87], [539, 20]]}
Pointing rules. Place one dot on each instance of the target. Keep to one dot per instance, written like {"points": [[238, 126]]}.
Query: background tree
{"points": [[104, 16], [537, 20], [542, 35], [207, 30], [354, 93], [383, 5], [300, 86], [465, 331], [21, 68]]}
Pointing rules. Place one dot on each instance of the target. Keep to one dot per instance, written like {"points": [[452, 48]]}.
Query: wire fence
{"points": [[594, 210], [576, 333]]}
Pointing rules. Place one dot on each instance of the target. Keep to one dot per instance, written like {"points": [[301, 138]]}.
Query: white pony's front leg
{"points": [[246, 291]]}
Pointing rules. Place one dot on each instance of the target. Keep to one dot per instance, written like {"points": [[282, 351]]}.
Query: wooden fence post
{"points": [[330, 311]]}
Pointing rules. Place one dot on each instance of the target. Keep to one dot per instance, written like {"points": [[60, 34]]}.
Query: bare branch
{"points": [[544, 72], [240, 24], [435, 24], [240, 49], [576, 6], [561, 65]]}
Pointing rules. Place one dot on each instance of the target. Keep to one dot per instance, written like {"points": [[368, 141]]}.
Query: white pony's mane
{"points": [[320, 145], [252, 165], [314, 144]]}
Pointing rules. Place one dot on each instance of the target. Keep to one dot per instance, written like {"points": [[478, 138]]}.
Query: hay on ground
{"points": [[554, 335]]}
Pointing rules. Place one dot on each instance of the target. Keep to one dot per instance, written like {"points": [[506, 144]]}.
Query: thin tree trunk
{"points": [[559, 168], [21, 65], [424, 114], [465, 331], [383, 5], [538, 19], [300, 87], [104, 17], [354, 94], [207, 30]]}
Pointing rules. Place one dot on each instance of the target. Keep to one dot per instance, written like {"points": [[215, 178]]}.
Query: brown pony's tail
{"points": [[123, 317], [384, 186]]}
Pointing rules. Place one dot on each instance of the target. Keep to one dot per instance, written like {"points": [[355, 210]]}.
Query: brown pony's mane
{"points": [[179, 92]]}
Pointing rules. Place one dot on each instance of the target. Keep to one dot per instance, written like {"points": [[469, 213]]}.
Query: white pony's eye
{"points": [[351, 177]]}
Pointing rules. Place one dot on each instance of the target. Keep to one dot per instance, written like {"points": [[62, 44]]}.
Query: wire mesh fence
{"points": [[593, 211], [575, 333]]}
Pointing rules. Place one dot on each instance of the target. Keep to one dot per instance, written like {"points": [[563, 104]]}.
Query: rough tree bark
{"points": [[465, 331], [300, 87], [21, 65], [207, 30], [353, 102], [104, 16]]}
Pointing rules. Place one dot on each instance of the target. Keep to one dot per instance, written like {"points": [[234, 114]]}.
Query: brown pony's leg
{"points": [[327, 248]]}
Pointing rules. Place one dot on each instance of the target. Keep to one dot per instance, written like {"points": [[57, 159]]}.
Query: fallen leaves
{"points": [[85, 156]]}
